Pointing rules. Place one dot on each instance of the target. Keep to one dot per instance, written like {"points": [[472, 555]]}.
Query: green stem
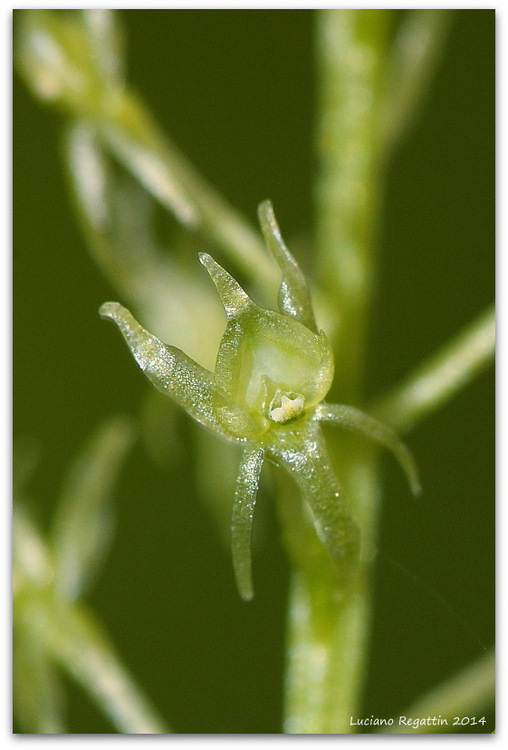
{"points": [[441, 377], [328, 632], [324, 675], [328, 637], [351, 48]]}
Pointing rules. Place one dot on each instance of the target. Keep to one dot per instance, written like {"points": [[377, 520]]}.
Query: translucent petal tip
{"points": [[294, 298], [120, 315], [265, 208], [233, 297], [243, 516], [110, 310]]}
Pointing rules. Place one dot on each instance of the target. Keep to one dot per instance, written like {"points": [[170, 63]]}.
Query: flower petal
{"points": [[171, 371], [243, 516], [354, 419], [233, 297], [294, 295], [303, 453]]}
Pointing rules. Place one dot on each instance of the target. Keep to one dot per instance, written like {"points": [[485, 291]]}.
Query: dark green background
{"points": [[236, 91]]}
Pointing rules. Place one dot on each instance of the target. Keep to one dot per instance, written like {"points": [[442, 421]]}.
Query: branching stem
{"points": [[441, 377], [75, 642]]}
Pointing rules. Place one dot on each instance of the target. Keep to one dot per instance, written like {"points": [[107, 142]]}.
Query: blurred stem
{"points": [[318, 701], [351, 49], [468, 693], [76, 643], [130, 131], [366, 93], [443, 375], [327, 634], [75, 60], [414, 56]]}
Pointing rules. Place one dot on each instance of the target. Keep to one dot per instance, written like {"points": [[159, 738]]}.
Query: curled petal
{"points": [[171, 371], [294, 296], [354, 419], [303, 453], [243, 516]]}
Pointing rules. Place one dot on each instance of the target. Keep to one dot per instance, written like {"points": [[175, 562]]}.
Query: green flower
{"points": [[272, 373]]}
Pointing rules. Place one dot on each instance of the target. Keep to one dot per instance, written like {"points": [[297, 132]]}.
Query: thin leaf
{"points": [[138, 145], [243, 516], [83, 522]]}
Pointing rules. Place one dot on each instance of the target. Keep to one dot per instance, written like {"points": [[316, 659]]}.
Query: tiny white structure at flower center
{"points": [[289, 409]]}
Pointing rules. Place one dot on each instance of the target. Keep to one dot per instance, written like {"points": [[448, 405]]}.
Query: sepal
{"points": [[171, 371]]}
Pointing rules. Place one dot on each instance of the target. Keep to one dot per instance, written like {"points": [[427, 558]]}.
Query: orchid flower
{"points": [[272, 373]]}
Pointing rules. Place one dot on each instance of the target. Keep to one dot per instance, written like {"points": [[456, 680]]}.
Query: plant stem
{"points": [[443, 375], [128, 128], [317, 700], [415, 54], [47, 47], [328, 635], [351, 47]]}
